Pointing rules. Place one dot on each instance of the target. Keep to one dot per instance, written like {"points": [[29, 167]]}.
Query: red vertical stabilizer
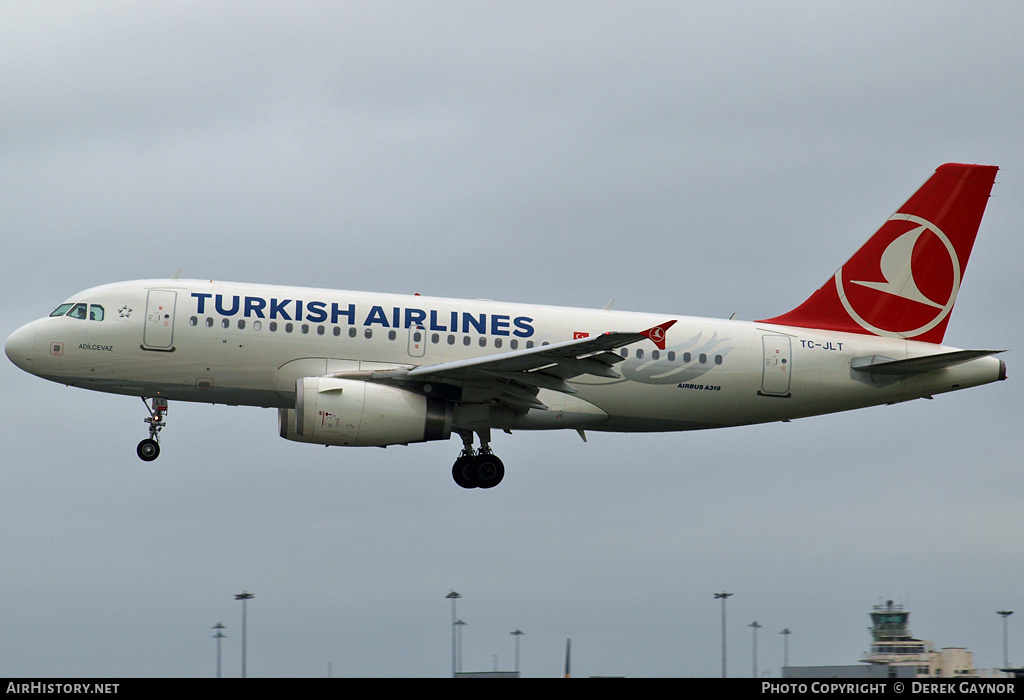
{"points": [[903, 282]]}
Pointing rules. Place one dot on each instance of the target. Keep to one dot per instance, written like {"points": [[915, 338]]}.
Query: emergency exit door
{"points": [[159, 331], [777, 369]]}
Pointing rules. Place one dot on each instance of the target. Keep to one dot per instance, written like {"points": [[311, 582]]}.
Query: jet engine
{"points": [[330, 411]]}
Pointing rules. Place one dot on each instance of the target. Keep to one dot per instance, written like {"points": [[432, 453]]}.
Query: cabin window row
{"points": [[671, 356], [435, 338], [305, 328]]}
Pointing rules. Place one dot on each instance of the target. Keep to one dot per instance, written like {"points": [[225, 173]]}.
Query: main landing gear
{"points": [[477, 468], [149, 449]]}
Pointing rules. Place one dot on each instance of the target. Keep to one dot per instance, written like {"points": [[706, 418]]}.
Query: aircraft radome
{"points": [[357, 368]]}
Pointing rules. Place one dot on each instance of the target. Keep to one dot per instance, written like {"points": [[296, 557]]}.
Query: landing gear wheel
{"points": [[148, 450], [464, 472], [477, 469], [489, 471]]}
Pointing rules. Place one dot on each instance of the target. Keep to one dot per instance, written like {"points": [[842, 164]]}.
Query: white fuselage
{"points": [[247, 344]]}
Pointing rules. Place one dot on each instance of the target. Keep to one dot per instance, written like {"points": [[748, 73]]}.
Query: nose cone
{"points": [[19, 347]]}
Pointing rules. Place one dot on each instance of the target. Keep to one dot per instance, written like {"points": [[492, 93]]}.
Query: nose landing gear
{"points": [[477, 468], [149, 449]]}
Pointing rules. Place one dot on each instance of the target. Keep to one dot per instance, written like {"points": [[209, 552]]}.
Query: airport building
{"points": [[893, 645], [896, 653]]}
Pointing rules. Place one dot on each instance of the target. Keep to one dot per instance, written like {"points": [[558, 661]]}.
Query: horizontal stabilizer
{"points": [[877, 364]]}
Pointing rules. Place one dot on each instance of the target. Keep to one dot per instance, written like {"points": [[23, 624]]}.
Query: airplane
{"points": [[365, 369]]}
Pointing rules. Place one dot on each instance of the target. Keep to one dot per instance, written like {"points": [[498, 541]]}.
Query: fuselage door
{"points": [[777, 369], [159, 331], [417, 341]]}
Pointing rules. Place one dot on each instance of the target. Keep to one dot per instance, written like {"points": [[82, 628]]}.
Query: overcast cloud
{"points": [[680, 157]]}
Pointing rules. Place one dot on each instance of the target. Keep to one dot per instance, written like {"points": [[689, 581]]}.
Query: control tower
{"points": [[893, 644], [889, 623]]}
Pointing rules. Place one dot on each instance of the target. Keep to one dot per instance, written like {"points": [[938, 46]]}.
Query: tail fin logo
{"points": [[880, 290], [904, 281]]}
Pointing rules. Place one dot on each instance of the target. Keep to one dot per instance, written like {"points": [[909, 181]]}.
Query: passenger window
{"points": [[241, 324], [671, 356], [639, 354], [451, 340], [703, 359], [225, 323], [514, 344], [497, 342], [193, 321], [256, 325], [466, 341], [655, 354], [273, 326], [305, 328], [209, 321], [95, 312], [435, 339], [368, 333], [352, 332], [337, 330], [288, 328], [392, 335], [319, 330], [718, 359], [483, 341], [686, 357]]}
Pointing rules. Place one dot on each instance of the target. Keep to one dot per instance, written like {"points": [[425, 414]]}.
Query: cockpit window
{"points": [[94, 312]]}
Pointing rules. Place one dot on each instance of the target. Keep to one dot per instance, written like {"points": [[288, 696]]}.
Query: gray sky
{"points": [[691, 158]]}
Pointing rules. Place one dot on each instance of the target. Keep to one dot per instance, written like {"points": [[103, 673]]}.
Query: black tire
{"points": [[148, 450], [489, 471], [464, 472]]}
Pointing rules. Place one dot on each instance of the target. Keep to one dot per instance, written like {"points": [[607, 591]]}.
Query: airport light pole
{"points": [[756, 625], [460, 624], [517, 634], [785, 647], [723, 596], [218, 636], [244, 596], [1005, 614], [453, 596]]}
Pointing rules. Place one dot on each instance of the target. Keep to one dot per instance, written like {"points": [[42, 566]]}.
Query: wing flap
{"points": [[537, 379]]}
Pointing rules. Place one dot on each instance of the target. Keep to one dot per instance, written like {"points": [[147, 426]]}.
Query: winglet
{"points": [[657, 333]]}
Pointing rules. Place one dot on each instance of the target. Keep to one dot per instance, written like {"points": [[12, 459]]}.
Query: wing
{"points": [[515, 378]]}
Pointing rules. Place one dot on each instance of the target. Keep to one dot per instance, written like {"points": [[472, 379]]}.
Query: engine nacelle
{"points": [[331, 411]]}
